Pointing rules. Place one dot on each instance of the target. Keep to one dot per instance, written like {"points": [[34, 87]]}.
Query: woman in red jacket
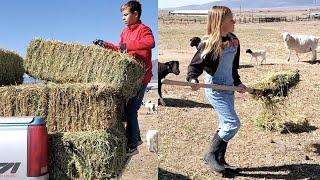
{"points": [[137, 40]]}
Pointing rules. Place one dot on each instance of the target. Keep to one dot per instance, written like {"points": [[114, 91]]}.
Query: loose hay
{"points": [[277, 84], [66, 107], [64, 63], [11, 68], [274, 115], [277, 118], [86, 155]]}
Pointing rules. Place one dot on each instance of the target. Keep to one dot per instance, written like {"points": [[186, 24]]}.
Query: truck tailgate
{"points": [[13, 155]]}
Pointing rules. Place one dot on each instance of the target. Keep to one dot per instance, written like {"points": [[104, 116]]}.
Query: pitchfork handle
{"points": [[202, 85]]}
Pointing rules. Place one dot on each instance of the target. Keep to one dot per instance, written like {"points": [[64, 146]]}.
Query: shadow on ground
{"points": [[241, 66], [171, 102], [268, 64], [245, 66], [296, 129], [312, 62], [294, 171], [166, 175]]}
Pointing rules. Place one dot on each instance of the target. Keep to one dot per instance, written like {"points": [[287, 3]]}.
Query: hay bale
{"points": [[86, 155], [66, 107], [69, 63], [276, 85], [11, 68]]}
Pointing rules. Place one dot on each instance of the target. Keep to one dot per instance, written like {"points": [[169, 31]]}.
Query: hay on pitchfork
{"points": [[11, 68], [276, 84], [69, 63], [86, 155], [274, 115], [66, 107]]}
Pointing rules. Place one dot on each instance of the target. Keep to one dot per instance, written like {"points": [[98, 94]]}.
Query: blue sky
{"points": [[67, 20], [177, 3]]}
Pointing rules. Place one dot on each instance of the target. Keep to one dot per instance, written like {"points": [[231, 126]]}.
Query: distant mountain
{"points": [[252, 4]]}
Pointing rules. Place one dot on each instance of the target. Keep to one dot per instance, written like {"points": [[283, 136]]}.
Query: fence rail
{"points": [[171, 19]]}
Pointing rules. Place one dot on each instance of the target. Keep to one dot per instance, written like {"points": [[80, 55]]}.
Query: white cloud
{"points": [[177, 3]]}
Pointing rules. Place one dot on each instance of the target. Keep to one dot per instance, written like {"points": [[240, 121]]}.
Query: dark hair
{"points": [[133, 6]]}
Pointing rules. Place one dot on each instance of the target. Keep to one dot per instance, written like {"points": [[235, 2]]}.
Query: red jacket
{"points": [[139, 41]]}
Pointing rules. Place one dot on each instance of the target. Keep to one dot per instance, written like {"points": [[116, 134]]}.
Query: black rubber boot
{"points": [[212, 157], [222, 156]]}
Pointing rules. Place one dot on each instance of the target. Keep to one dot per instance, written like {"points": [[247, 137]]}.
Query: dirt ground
{"points": [[188, 121]]}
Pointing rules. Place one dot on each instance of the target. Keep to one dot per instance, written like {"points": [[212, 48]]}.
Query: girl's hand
{"points": [[195, 86], [243, 88]]}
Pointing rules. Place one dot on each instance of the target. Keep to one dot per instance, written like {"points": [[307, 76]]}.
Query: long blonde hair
{"points": [[214, 39]]}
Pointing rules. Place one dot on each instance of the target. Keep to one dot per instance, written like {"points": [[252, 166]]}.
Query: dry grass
{"points": [[66, 107], [274, 90], [276, 85], [188, 122], [11, 68], [86, 155], [69, 63]]}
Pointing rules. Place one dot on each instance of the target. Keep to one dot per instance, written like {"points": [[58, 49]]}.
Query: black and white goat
{"points": [[256, 54], [152, 108]]}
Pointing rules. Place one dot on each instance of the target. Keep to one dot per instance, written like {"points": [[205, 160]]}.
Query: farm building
{"points": [[189, 12]]}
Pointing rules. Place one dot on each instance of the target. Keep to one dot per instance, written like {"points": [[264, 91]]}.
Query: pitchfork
{"points": [[256, 92]]}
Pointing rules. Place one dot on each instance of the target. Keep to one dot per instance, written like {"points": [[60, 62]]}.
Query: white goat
{"points": [[152, 140], [151, 107], [256, 54], [301, 44]]}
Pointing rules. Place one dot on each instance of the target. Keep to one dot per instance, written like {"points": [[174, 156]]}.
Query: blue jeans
{"points": [[223, 103], [131, 110]]}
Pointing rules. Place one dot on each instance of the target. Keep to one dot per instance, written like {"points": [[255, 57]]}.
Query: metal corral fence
{"points": [[187, 19]]}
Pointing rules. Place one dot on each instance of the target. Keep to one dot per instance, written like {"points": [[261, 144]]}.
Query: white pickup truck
{"points": [[23, 148]]}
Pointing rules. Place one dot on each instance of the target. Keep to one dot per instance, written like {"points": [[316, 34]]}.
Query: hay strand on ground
{"points": [[11, 68], [66, 107], [86, 155], [69, 63]]}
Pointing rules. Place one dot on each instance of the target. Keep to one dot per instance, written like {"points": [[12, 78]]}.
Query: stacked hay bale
{"points": [[84, 121], [66, 107], [60, 62], [84, 111], [273, 94], [86, 155], [11, 68]]}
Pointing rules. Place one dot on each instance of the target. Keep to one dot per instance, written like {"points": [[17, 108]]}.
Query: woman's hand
{"points": [[243, 88], [195, 86]]}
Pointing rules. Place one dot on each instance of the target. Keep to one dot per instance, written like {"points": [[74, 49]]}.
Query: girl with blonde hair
{"points": [[219, 57]]}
